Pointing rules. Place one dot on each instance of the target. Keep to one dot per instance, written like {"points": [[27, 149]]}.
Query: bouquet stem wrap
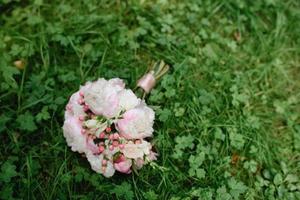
{"points": [[148, 81]]}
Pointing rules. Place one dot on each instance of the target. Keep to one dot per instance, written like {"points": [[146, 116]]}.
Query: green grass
{"points": [[227, 114]]}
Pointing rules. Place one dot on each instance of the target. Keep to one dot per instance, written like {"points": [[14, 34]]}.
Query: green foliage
{"points": [[227, 114], [8, 171], [182, 143], [123, 191], [236, 188], [150, 195], [26, 122]]}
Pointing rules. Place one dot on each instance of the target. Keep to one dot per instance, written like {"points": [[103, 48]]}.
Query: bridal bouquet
{"points": [[111, 125]]}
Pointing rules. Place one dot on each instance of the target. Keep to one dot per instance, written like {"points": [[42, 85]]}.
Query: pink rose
{"points": [[136, 123]]}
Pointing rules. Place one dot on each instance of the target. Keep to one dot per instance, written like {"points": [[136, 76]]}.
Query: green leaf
{"points": [[182, 142], [8, 171], [8, 73], [7, 192], [202, 193], [277, 179], [150, 195], [60, 100], [164, 114], [123, 191], [222, 194], [156, 96], [38, 2], [26, 122], [43, 115], [195, 162], [253, 122], [297, 137], [253, 149], [219, 134], [200, 173], [291, 178], [251, 166], [236, 188], [179, 112], [33, 20], [170, 93], [3, 120], [236, 139], [279, 107]]}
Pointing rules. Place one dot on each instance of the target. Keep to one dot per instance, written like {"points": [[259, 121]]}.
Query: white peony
{"points": [[116, 82], [127, 100]]}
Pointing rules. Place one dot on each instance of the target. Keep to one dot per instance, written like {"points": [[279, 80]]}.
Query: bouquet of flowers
{"points": [[111, 125]]}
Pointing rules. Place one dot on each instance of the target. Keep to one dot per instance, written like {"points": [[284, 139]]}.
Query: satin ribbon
{"points": [[147, 82]]}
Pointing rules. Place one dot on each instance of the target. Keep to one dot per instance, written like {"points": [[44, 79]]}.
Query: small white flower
{"points": [[92, 123]]}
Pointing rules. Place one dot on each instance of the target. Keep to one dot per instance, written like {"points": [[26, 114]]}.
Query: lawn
{"points": [[227, 113]]}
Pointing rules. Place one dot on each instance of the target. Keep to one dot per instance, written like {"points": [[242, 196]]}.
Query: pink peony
{"points": [[102, 97], [95, 162], [72, 133], [74, 108], [137, 123], [96, 165]]}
